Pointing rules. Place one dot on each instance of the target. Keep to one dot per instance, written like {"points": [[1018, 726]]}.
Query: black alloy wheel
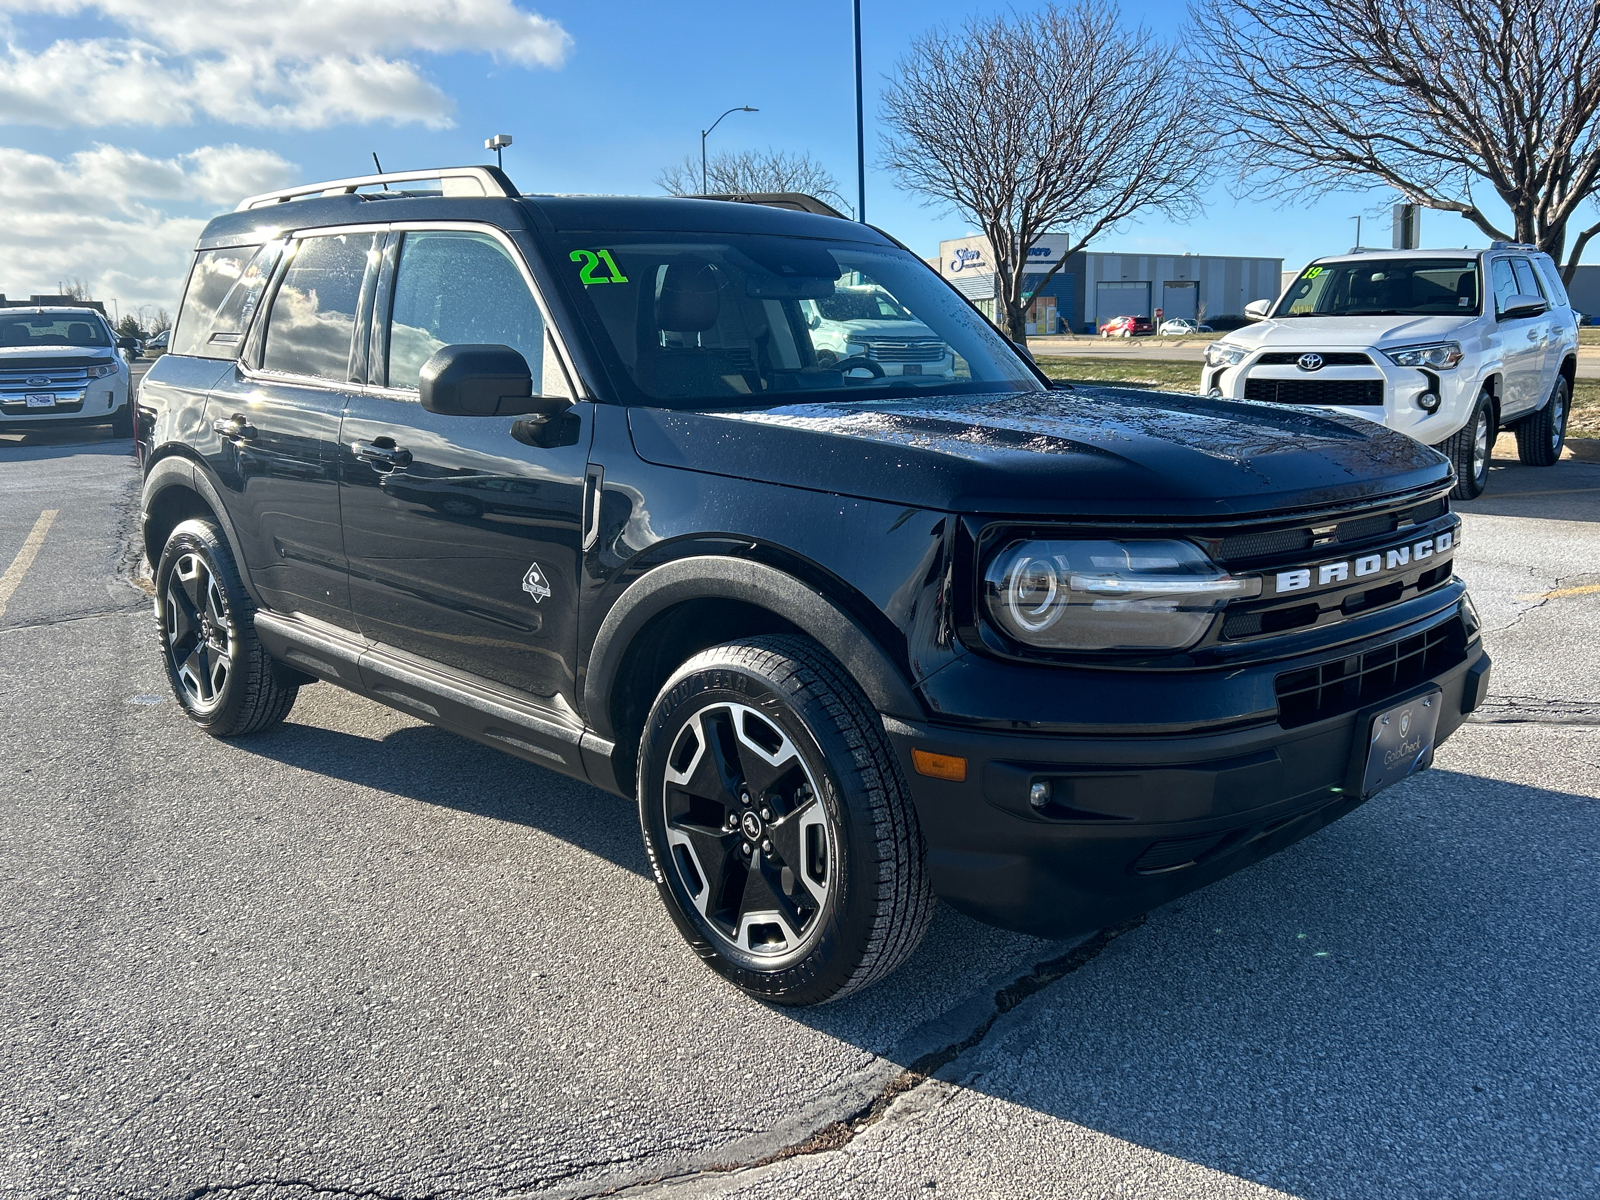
{"points": [[1542, 435], [781, 831], [1469, 450], [218, 670]]}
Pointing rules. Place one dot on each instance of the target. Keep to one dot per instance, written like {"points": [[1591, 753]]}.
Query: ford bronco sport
{"points": [[569, 476]]}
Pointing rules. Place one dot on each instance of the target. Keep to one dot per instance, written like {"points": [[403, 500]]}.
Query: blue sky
{"points": [[126, 122]]}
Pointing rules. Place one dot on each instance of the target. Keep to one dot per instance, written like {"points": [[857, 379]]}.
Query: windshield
{"points": [[1410, 287], [58, 329], [697, 320]]}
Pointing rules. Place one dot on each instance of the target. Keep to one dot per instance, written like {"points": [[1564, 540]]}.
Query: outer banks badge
{"points": [[535, 584]]}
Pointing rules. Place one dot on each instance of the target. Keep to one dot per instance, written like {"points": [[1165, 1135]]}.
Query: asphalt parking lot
{"points": [[361, 957]]}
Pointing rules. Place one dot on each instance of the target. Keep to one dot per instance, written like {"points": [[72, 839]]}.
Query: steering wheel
{"points": [[846, 365]]}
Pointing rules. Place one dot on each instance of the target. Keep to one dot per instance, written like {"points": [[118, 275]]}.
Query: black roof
{"points": [[550, 213]]}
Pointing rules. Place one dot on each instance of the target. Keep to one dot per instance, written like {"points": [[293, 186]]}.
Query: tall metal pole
{"points": [[861, 128], [705, 133]]}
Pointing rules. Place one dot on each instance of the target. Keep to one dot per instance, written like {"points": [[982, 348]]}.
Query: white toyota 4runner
{"points": [[1449, 346]]}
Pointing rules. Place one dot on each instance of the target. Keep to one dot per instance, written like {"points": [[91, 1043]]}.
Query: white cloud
{"points": [[305, 63], [92, 217]]}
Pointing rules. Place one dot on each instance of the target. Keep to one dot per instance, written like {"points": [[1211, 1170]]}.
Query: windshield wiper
{"points": [[1369, 312]]}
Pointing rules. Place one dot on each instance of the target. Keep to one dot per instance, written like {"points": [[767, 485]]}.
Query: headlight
{"points": [[855, 350], [1441, 356], [100, 372], [1108, 595], [1470, 620], [1220, 354]]}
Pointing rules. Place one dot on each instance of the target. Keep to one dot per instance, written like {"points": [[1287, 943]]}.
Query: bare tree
{"points": [[750, 171], [77, 289], [1433, 98], [1058, 121]]}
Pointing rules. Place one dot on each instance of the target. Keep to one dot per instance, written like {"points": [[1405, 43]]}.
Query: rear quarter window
{"points": [[224, 291]]}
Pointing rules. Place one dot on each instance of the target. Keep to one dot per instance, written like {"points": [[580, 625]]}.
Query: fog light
{"points": [[939, 766], [1039, 795], [1214, 394], [1428, 402]]}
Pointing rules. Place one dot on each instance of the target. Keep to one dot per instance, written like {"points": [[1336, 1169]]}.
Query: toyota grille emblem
{"points": [[1310, 362]]}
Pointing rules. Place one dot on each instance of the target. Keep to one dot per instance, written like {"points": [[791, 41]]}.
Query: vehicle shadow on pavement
{"points": [[1402, 1005], [40, 447]]}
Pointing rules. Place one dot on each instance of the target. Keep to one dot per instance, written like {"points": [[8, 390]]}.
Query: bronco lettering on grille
{"points": [[1323, 574]]}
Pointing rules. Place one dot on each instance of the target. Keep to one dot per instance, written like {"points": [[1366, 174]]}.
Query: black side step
{"points": [[461, 703]]}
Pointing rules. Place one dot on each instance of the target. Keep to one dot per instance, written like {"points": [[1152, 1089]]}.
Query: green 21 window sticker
{"points": [[592, 260]]}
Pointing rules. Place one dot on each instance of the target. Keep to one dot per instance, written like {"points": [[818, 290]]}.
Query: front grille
{"points": [[1363, 528], [1349, 683], [1264, 545], [1330, 358], [15, 382], [1423, 513], [1363, 392], [1174, 853], [905, 352]]}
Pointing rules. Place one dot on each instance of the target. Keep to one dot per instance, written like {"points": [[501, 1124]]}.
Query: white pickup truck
{"points": [[1449, 346]]}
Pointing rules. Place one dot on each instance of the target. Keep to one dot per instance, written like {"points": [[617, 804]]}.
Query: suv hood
{"points": [[12, 355], [1316, 333], [887, 329], [1095, 452]]}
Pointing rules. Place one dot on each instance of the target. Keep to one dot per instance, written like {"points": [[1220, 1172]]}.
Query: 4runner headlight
{"points": [[1108, 595], [101, 371], [1220, 354], [1440, 356]]}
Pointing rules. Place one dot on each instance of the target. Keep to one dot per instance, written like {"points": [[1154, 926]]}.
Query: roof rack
{"points": [[454, 181], [1511, 246], [795, 201]]}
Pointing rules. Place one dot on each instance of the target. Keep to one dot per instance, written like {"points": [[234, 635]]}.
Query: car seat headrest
{"points": [[688, 302]]}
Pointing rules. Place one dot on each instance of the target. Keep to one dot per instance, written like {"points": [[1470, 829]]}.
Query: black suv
{"points": [[568, 476]]}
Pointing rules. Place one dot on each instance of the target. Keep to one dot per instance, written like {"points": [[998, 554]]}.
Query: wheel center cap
{"points": [[751, 825]]}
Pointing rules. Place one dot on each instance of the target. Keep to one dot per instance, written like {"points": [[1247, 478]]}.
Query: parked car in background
{"points": [[59, 366], [1127, 327], [867, 325], [157, 345], [1182, 327], [1449, 346]]}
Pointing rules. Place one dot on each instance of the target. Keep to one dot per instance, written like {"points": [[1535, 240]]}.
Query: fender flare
{"points": [[178, 470], [705, 577]]}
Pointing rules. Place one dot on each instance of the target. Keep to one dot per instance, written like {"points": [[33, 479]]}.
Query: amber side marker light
{"points": [[939, 766]]}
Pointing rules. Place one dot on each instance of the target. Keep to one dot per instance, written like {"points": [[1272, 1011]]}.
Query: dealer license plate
{"points": [[911, 369], [40, 399], [1401, 741]]}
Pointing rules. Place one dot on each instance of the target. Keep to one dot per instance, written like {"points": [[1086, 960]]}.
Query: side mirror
{"points": [[1257, 310], [483, 381], [1523, 306], [1022, 349], [128, 343], [813, 321]]}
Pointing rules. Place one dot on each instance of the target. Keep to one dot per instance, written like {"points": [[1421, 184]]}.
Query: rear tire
{"points": [[780, 829], [1541, 435], [205, 621], [1468, 450]]}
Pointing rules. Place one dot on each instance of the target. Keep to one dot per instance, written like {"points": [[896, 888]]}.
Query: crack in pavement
{"points": [[1535, 710], [839, 1133]]}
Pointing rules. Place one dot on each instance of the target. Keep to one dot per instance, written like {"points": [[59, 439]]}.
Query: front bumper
{"points": [[96, 404], [1457, 389], [1135, 821]]}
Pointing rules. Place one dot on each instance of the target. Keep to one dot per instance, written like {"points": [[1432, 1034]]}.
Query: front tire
{"points": [[122, 421], [1541, 435], [780, 829], [1468, 450], [218, 669]]}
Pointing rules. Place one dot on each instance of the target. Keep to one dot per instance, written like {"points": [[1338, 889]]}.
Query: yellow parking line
{"points": [[24, 559], [1587, 589]]}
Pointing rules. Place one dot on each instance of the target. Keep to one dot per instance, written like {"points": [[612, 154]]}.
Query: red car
{"points": [[1127, 327]]}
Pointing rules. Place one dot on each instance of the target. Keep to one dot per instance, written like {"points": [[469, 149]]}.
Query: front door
{"points": [[464, 543], [276, 417]]}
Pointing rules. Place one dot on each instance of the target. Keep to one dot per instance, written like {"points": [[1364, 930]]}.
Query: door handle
{"points": [[594, 483], [1534, 335], [382, 453], [236, 428]]}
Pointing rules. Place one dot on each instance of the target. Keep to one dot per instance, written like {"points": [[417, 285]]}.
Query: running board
{"points": [[452, 700]]}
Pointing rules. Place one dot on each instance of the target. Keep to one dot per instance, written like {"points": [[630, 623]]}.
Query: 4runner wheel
{"points": [[1468, 451], [780, 829], [1541, 435], [218, 670]]}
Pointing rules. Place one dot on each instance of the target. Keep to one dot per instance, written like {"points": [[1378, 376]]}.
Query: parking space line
{"points": [[1587, 589], [24, 559]]}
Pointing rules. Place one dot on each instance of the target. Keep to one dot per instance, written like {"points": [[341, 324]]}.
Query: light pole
{"points": [[861, 129], [705, 133], [498, 143]]}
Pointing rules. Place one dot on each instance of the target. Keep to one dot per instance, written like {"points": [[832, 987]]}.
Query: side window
{"points": [[313, 318], [1505, 284], [1553, 287], [1527, 281], [224, 289], [454, 288]]}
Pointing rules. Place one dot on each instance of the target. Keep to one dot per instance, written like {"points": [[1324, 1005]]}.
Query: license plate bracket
{"points": [[1400, 740]]}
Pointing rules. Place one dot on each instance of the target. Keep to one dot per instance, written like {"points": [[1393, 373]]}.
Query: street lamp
{"points": [[498, 143], [705, 133]]}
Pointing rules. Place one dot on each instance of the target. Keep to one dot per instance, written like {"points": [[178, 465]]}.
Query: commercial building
{"points": [[1092, 287]]}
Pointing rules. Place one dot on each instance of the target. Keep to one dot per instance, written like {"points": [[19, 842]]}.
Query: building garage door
{"points": [[1121, 298], [1179, 298]]}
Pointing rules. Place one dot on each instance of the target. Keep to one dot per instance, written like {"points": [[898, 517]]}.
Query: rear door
{"points": [[1545, 329], [464, 543], [1521, 341], [275, 424]]}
